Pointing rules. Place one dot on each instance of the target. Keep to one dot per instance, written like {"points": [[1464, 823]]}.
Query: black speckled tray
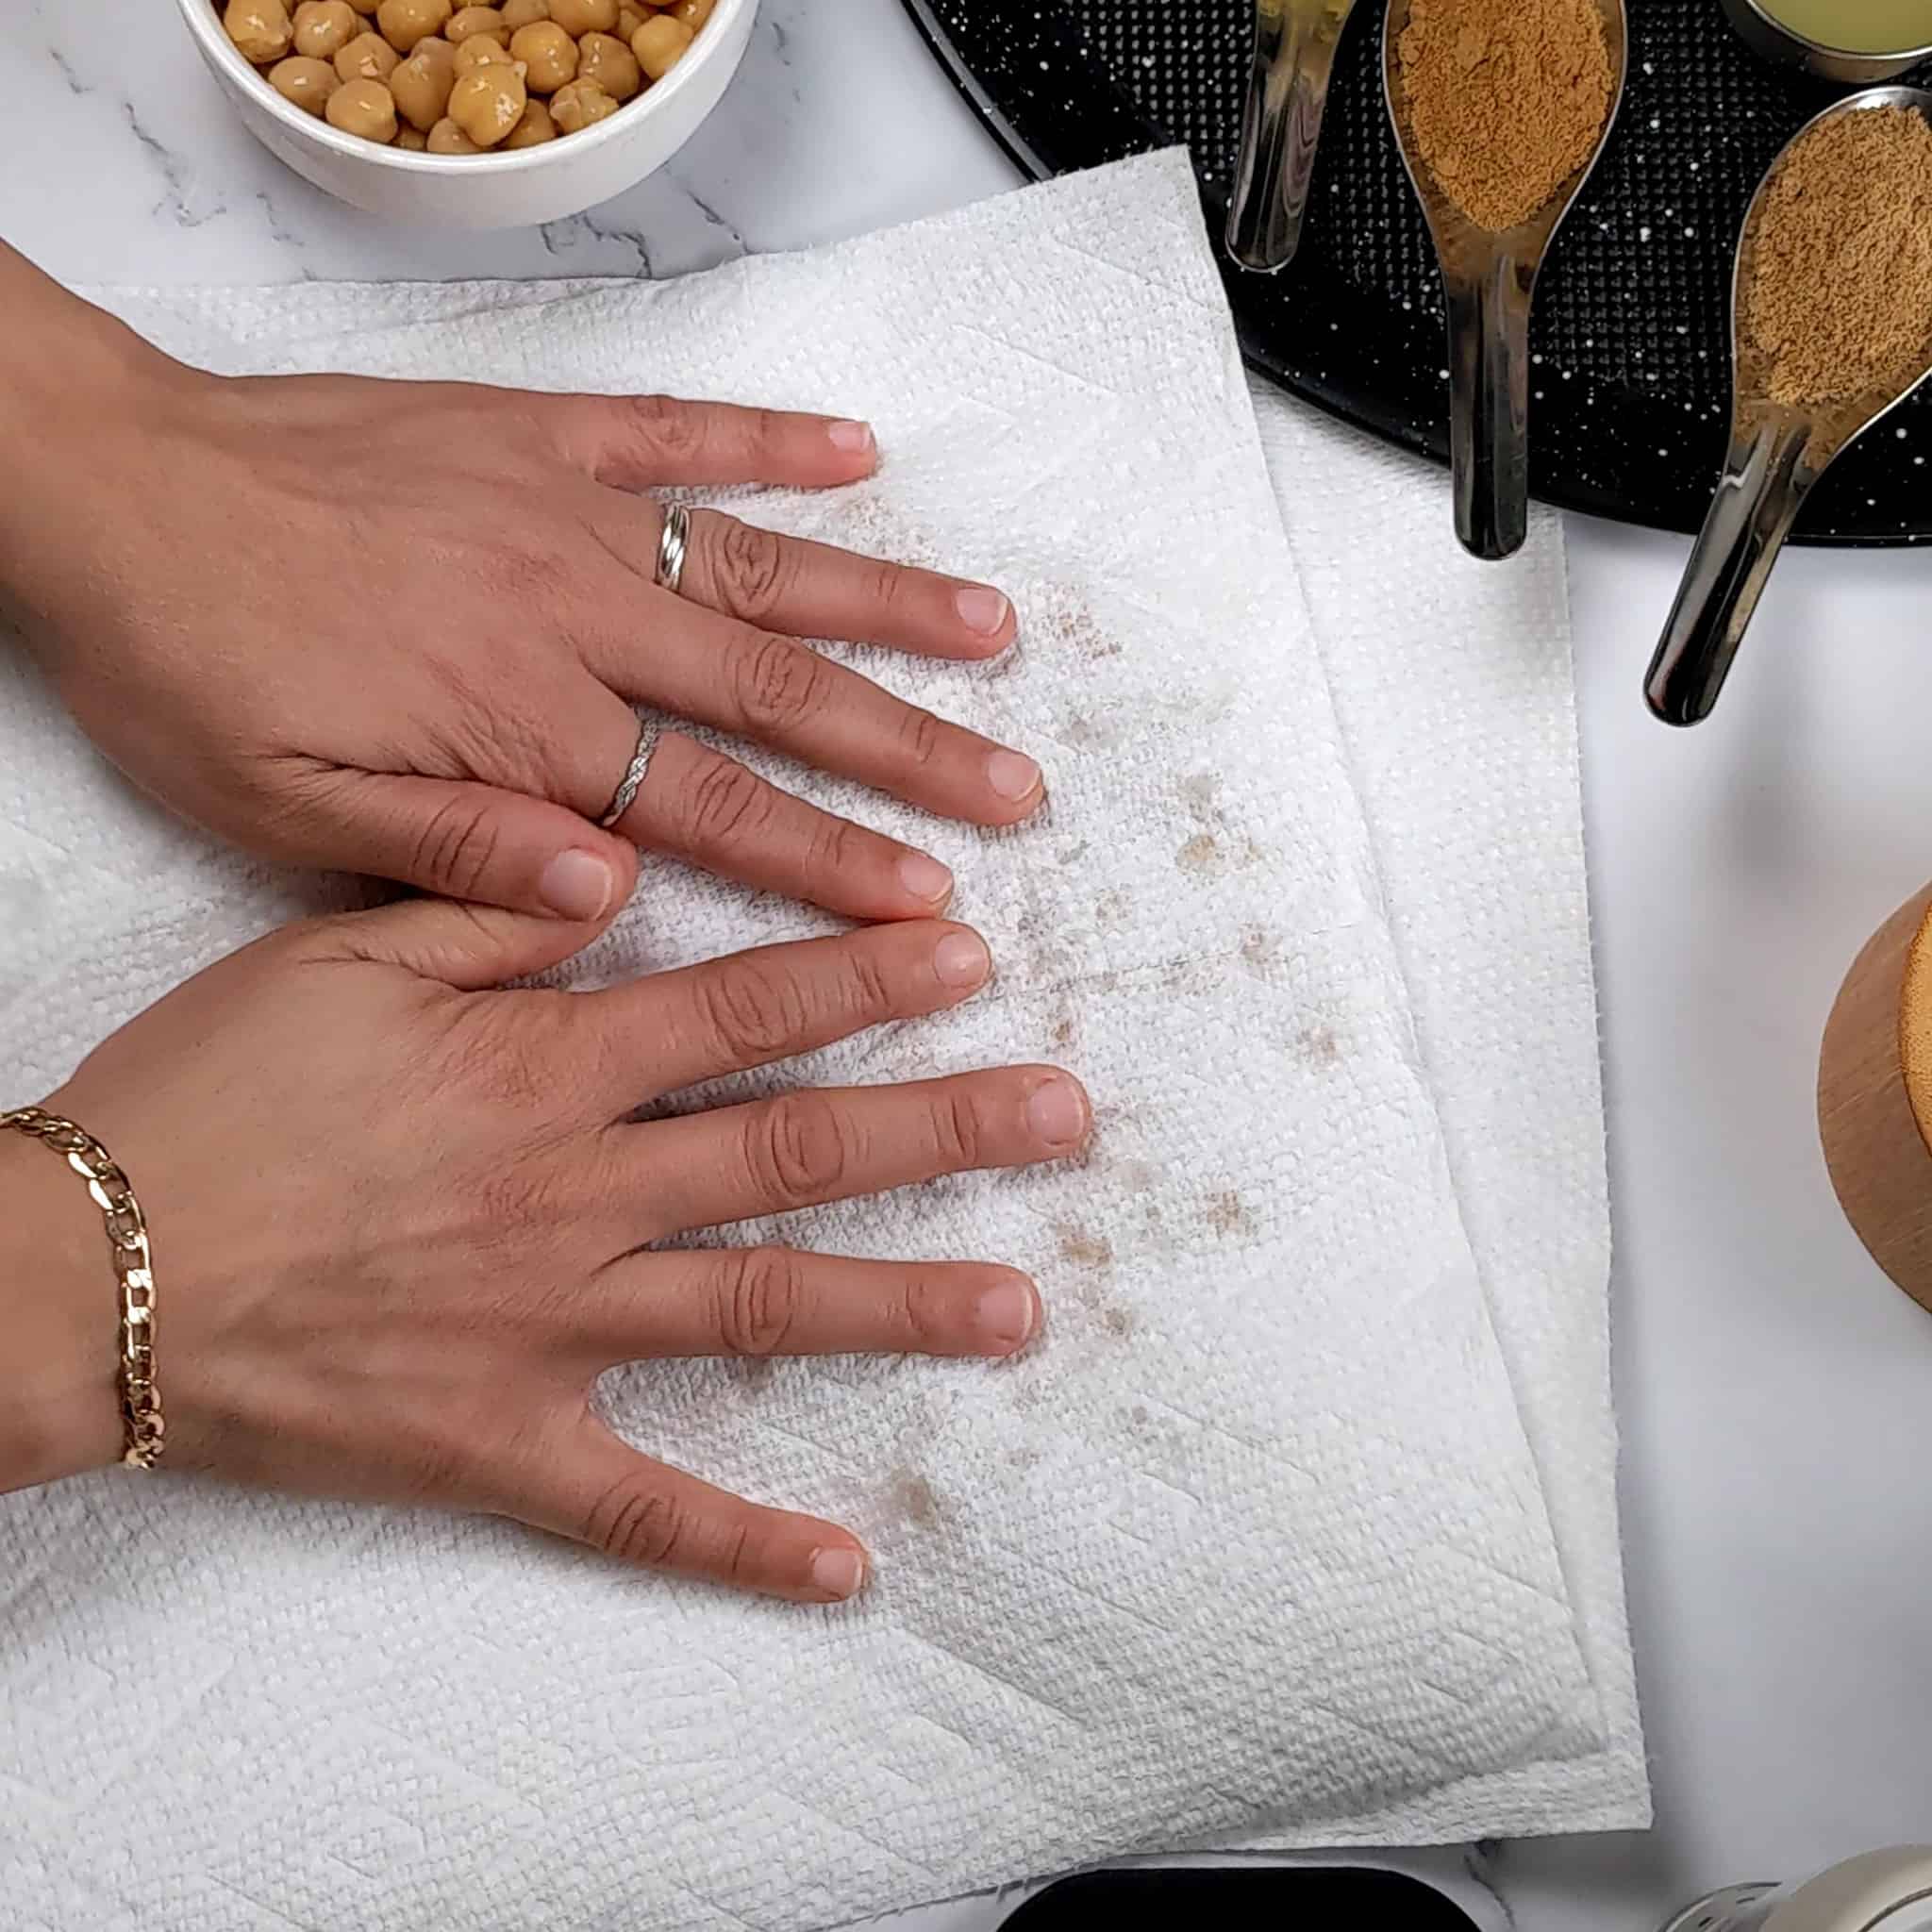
{"points": [[1632, 381]]}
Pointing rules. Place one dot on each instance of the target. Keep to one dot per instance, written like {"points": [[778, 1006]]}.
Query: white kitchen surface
{"points": [[1773, 1388]]}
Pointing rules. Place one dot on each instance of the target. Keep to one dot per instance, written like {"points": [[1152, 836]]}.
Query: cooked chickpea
{"points": [[488, 102], [522, 13], [628, 21], [693, 14], [411, 138], [584, 16], [446, 138], [261, 28], [363, 108], [604, 58], [471, 21], [406, 22], [420, 85], [365, 7], [479, 50], [368, 57], [308, 83], [548, 54], [660, 44], [579, 106], [325, 27], [534, 129]]}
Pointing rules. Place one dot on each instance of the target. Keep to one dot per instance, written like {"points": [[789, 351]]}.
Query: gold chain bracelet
{"points": [[140, 1400]]}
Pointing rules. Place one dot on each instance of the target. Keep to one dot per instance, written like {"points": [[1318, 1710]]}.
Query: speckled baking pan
{"points": [[1632, 384]]}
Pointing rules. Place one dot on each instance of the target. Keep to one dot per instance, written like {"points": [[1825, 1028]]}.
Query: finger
{"points": [[468, 947], [595, 1489], [751, 1008], [783, 1301], [465, 840], [773, 690], [647, 442], [773, 1157], [698, 804], [816, 591]]}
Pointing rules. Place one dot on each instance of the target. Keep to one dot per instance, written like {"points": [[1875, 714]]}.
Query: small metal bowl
{"points": [[1776, 42]]}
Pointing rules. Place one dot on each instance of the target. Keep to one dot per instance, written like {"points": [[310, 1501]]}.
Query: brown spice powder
{"points": [[1507, 99], [1837, 301]]}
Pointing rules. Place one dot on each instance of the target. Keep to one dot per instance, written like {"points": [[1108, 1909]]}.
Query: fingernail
{"points": [[853, 438], [576, 885], [923, 877], [960, 959], [1011, 776], [981, 609], [1005, 1314], [837, 1573], [1056, 1113]]}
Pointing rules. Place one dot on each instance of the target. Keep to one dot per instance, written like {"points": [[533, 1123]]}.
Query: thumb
{"points": [[461, 840]]}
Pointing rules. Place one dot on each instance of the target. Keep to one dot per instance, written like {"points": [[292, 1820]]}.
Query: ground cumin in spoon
{"points": [[1506, 99], [1837, 302]]}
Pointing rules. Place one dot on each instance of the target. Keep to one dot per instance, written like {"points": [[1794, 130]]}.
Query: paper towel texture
{"points": [[1252, 1535]]}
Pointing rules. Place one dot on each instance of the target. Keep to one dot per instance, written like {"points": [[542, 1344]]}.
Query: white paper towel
{"points": [[1454, 689], [1252, 1536]]}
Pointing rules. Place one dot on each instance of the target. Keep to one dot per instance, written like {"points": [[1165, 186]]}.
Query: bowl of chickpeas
{"points": [[494, 116]]}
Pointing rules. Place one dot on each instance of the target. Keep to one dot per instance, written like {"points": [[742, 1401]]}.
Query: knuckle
{"points": [[919, 735], [959, 1133], [753, 1013], [925, 1317], [636, 1524], [796, 1150], [869, 990], [780, 684], [749, 569], [454, 848], [727, 806], [887, 585], [763, 1295], [667, 426]]}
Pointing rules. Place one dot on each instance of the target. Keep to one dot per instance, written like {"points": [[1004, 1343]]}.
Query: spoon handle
{"points": [[1489, 403], [1765, 481], [1281, 125]]}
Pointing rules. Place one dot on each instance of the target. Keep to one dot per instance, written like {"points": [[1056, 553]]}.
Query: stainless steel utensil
{"points": [[1775, 40], [1488, 279], [1777, 453], [1281, 125]]}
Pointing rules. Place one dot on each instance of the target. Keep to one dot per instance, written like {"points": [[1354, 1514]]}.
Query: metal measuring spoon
{"points": [[1281, 125], [1488, 278], [1778, 451]]}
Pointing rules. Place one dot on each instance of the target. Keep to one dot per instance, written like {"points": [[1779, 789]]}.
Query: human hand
{"points": [[401, 1221], [398, 628]]}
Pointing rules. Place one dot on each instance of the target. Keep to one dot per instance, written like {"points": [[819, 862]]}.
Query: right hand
{"points": [[401, 1221]]}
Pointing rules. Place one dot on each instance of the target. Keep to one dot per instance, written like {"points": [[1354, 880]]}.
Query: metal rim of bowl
{"points": [[204, 22], [1908, 57]]}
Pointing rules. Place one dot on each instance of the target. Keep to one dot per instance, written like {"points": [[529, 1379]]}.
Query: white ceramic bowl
{"points": [[504, 190]]}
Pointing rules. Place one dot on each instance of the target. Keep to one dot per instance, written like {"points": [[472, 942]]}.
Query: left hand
{"points": [[398, 628]]}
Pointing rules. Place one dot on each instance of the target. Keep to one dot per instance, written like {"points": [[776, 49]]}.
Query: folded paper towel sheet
{"points": [[1252, 1540], [1455, 693]]}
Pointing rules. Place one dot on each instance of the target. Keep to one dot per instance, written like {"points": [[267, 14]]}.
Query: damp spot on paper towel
{"points": [[1140, 1176], [1228, 1213], [1261, 951], [1028, 1396], [1138, 1415], [1200, 792], [1063, 617], [754, 1374], [876, 526], [1066, 1031], [1073, 854], [913, 1500], [1025, 1457], [1084, 1248], [1320, 1046], [1114, 908], [1201, 854], [1084, 734], [1119, 1321]]}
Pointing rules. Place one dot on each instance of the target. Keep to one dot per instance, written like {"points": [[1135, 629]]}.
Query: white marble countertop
{"points": [[1773, 1387]]}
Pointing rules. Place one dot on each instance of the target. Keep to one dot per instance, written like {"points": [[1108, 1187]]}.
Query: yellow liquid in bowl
{"points": [[1856, 26]]}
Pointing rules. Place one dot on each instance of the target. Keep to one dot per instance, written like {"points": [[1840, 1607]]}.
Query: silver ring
{"points": [[671, 542], [634, 774]]}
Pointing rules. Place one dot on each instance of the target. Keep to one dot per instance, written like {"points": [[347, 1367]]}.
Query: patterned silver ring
{"points": [[672, 539], [634, 774]]}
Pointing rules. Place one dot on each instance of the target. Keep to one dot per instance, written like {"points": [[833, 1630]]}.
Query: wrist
{"points": [[59, 1358]]}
